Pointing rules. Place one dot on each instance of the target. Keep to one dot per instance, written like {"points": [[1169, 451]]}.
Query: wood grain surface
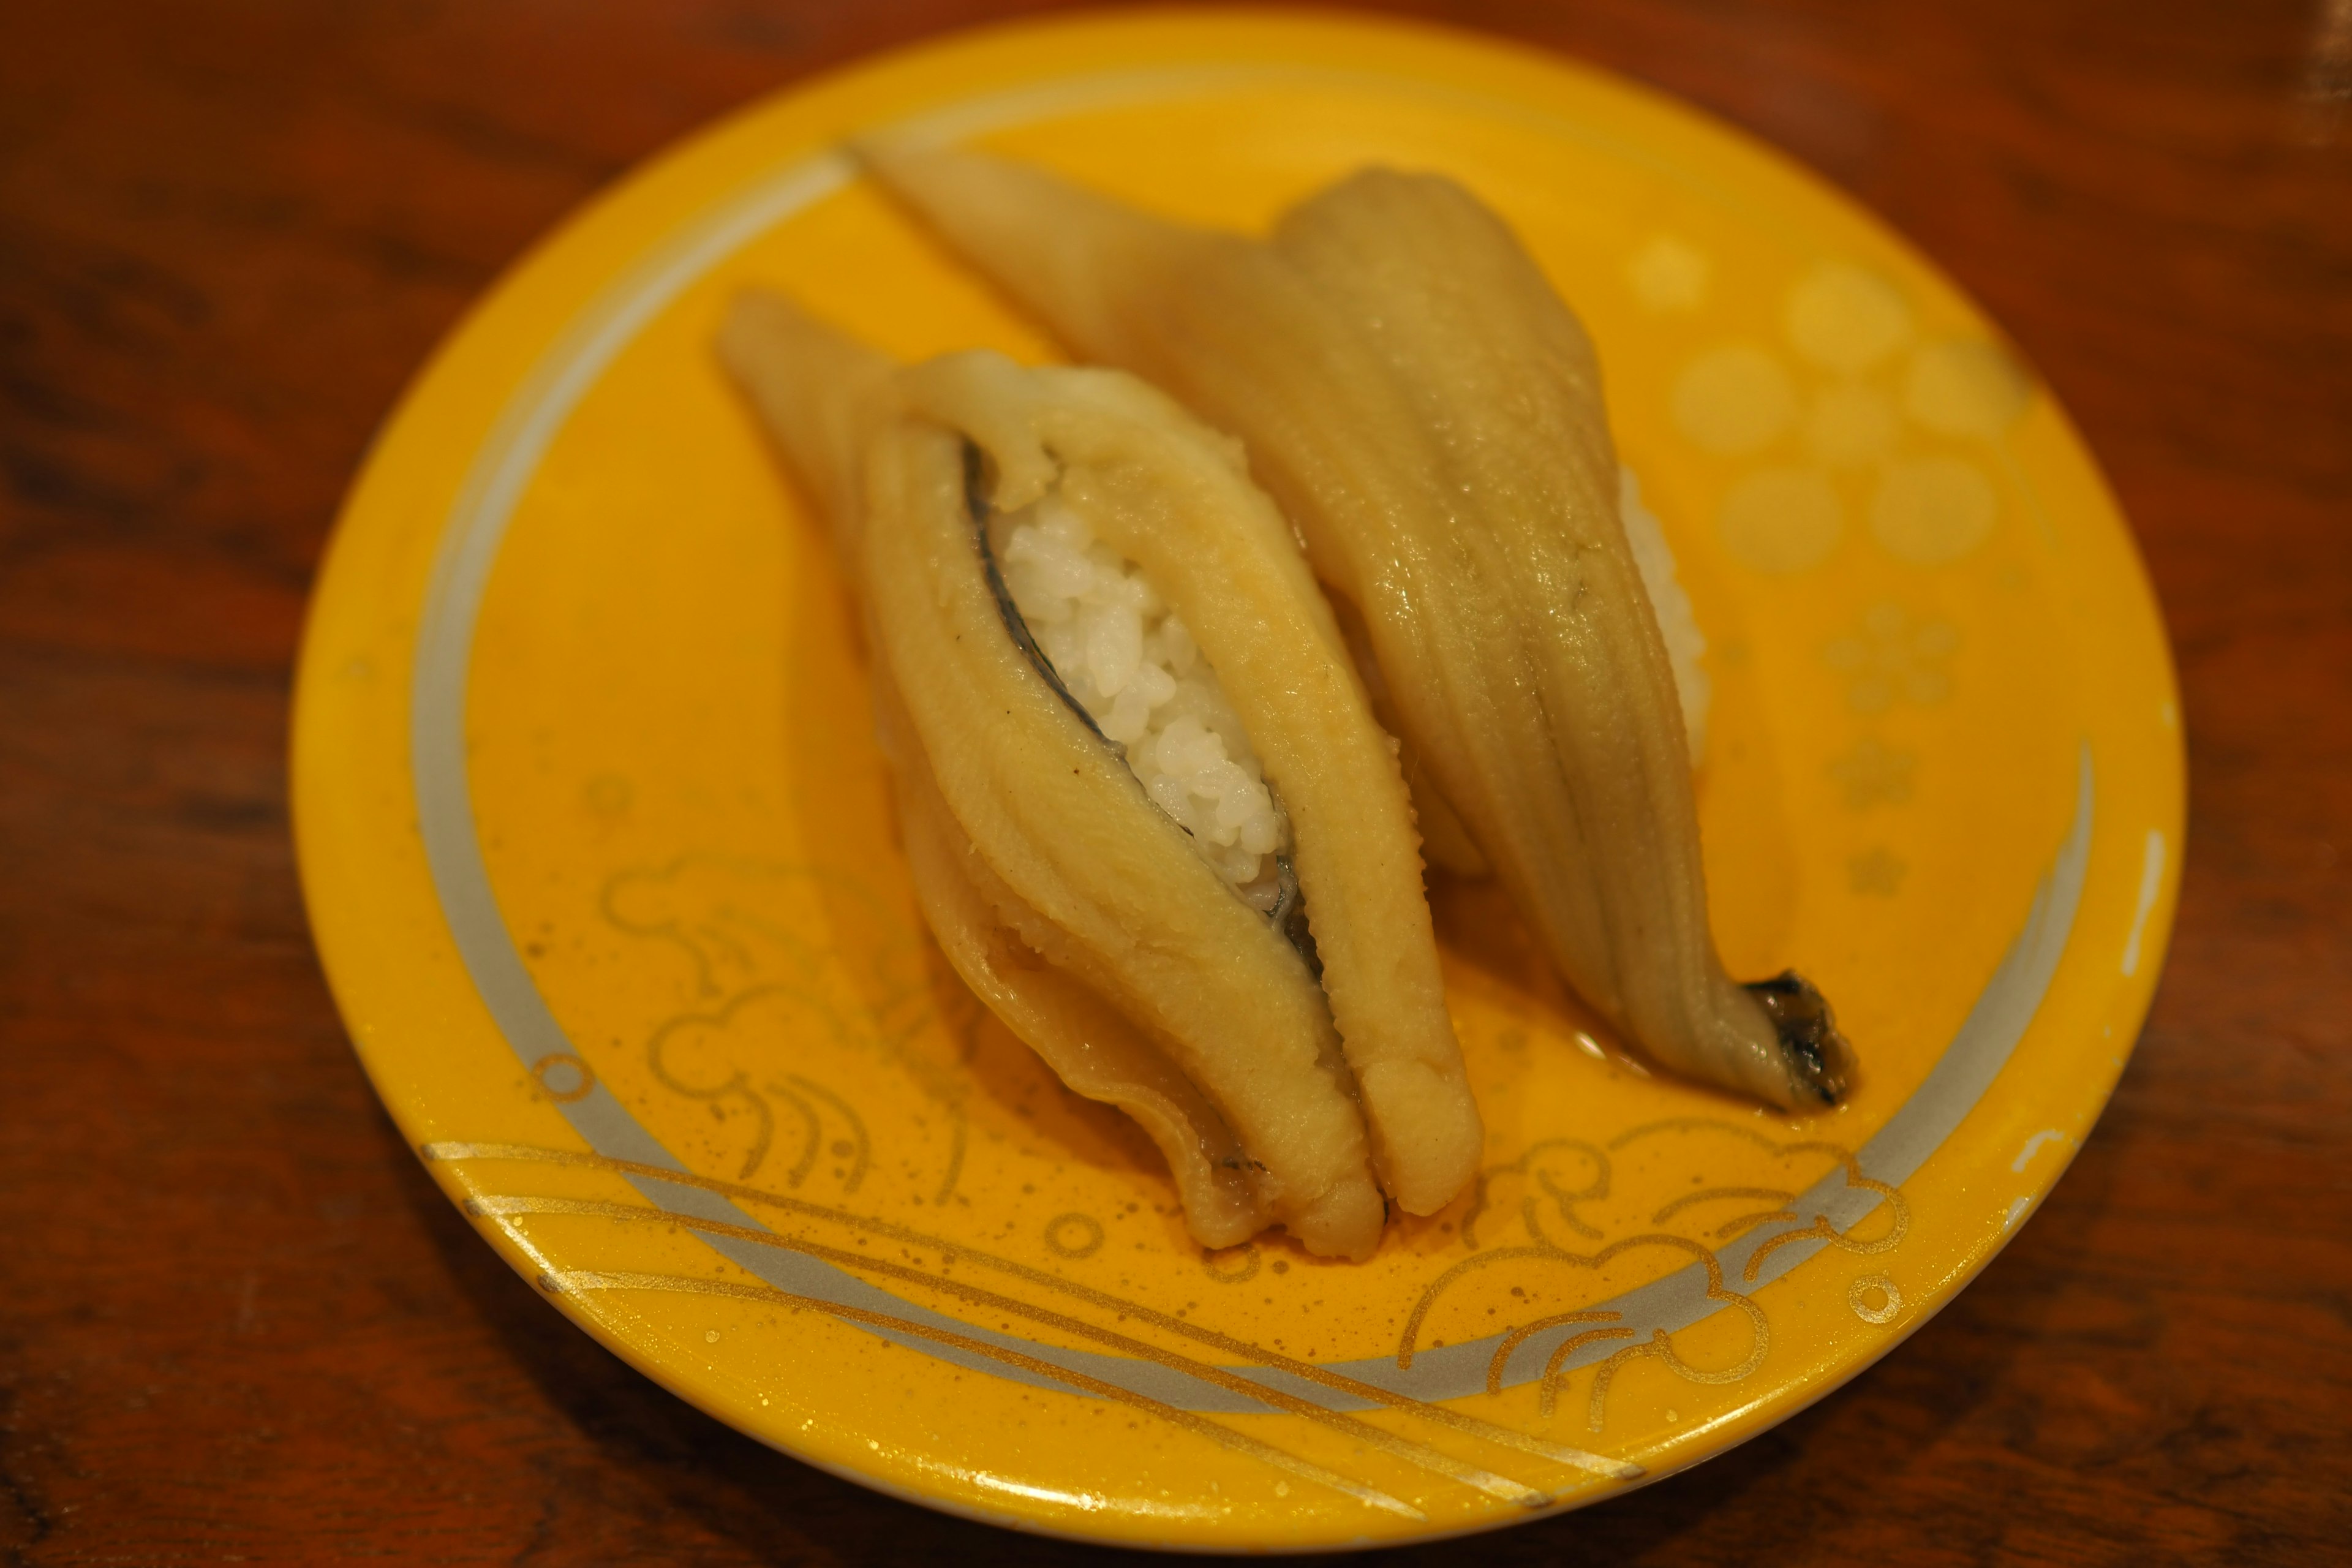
{"points": [[237, 1322]]}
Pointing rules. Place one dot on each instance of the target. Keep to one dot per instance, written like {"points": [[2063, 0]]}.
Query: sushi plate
{"points": [[594, 836]]}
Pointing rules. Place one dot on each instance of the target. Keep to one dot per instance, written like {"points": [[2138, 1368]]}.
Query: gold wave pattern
{"points": [[1662, 1345], [953, 1251], [797, 1091], [1547, 1391], [1525, 1332], [1544, 1248], [727, 915], [1566, 1201], [574, 1281], [738, 1087], [1820, 1229]]}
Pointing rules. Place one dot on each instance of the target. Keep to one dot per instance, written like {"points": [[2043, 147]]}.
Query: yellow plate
{"points": [[592, 830]]}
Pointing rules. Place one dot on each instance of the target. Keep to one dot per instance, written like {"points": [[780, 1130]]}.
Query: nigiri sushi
{"points": [[1424, 407], [1150, 819]]}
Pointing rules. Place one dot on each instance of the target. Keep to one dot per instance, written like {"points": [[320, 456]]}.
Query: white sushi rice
{"points": [[1127, 658], [1685, 644]]}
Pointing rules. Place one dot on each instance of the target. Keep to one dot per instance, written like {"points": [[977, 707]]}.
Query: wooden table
{"points": [[238, 1323]]}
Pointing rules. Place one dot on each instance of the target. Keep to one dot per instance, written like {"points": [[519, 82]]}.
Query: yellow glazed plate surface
{"points": [[592, 828]]}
